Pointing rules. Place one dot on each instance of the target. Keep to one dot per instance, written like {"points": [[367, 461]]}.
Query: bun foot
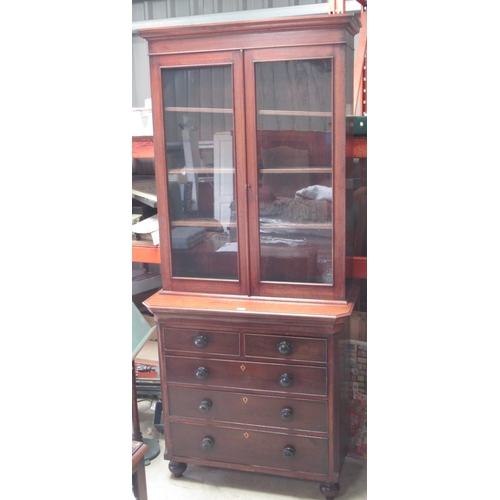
{"points": [[177, 468], [330, 490]]}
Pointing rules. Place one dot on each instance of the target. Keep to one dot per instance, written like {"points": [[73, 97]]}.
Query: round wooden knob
{"points": [[284, 348], [207, 443], [201, 373], [285, 380], [205, 406], [200, 341], [286, 414], [288, 453]]}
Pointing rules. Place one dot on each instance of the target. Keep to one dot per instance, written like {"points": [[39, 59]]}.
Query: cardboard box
{"points": [[357, 326], [151, 321]]}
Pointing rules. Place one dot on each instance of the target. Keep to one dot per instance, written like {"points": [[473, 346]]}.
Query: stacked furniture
{"points": [[251, 318]]}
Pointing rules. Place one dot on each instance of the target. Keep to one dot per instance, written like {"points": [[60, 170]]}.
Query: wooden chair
{"points": [[138, 470]]}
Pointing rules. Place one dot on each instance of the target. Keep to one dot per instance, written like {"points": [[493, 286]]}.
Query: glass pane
{"points": [[294, 111], [199, 146]]}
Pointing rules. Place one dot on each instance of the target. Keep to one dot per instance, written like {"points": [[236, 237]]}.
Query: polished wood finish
{"points": [[201, 342], [253, 371], [250, 447], [177, 468], [299, 31], [250, 409], [136, 428], [139, 486], [285, 349], [216, 311], [250, 375], [171, 48], [232, 392], [330, 490]]}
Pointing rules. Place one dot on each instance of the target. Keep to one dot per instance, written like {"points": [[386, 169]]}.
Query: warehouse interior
{"points": [[202, 201], [431, 212]]}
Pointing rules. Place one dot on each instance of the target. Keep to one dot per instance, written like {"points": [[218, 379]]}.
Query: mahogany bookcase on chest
{"points": [[254, 187]]}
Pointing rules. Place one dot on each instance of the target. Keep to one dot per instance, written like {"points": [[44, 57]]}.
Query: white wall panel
{"points": [[159, 9], [138, 11]]}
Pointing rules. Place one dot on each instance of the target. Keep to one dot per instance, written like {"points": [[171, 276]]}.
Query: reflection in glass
{"points": [[294, 111], [199, 148]]}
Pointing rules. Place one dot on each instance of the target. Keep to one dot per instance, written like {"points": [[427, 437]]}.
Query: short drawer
{"points": [[256, 448], [247, 375], [284, 347], [201, 341], [297, 414]]}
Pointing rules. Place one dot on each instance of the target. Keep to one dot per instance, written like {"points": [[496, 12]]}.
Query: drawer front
{"points": [[257, 448], [201, 341], [247, 375], [248, 409], [290, 348]]}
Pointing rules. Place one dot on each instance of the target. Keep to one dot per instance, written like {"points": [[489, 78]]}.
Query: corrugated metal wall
{"points": [[145, 10]]}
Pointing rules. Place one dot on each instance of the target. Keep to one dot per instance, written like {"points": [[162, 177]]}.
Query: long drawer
{"points": [[235, 407], [257, 448], [247, 375]]}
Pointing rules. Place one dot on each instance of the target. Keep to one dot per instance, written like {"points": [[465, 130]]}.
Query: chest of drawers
{"points": [[253, 390]]}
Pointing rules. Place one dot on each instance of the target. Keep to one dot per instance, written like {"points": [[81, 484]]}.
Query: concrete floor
{"points": [[205, 483]]}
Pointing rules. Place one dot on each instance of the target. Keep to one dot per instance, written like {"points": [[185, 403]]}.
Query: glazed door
{"points": [[201, 114], [291, 114]]}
